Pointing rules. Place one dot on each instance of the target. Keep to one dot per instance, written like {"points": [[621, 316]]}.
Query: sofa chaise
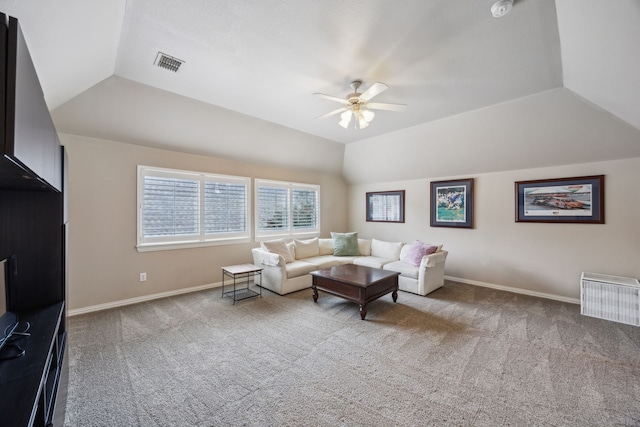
{"points": [[286, 266]]}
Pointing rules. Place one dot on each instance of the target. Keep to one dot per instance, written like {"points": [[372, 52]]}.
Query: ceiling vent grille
{"points": [[168, 62]]}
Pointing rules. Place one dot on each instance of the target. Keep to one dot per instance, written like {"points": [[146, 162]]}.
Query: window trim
{"points": [[202, 239], [290, 233]]}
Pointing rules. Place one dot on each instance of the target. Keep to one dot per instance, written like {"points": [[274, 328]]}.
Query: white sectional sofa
{"points": [[286, 266]]}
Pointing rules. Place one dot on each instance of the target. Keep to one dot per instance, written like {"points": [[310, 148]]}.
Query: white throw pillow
{"points": [[278, 247], [387, 250], [326, 246], [307, 248], [364, 245]]}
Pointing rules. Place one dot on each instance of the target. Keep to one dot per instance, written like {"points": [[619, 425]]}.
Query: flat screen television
{"points": [[8, 319]]}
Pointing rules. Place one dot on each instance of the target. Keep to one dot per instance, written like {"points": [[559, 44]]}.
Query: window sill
{"points": [[169, 246], [287, 236]]}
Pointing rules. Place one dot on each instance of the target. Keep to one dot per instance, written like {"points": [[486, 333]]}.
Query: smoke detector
{"points": [[168, 62], [501, 8]]}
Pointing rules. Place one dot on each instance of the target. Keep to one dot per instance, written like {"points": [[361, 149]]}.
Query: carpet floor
{"points": [[463, 356]]}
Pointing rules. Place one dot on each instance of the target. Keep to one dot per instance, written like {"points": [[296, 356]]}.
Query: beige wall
{"points": [[538, 258], [104, 265]]}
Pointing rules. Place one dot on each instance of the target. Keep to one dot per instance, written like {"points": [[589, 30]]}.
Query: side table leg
{"points": [[222, 296], [315, 293], [234, 289]]}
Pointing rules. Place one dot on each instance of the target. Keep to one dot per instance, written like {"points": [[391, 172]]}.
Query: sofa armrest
{"points": [[433, 259], [261, 257]]}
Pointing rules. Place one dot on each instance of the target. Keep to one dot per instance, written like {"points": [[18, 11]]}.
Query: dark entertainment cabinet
{"points": [[33, 227]]}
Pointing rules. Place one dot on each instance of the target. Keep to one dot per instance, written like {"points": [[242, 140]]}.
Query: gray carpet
{"points": [[464, 356]]}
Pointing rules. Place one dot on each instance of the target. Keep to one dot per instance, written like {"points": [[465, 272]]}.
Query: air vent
{"points": [[610, 298], [168, 62]]}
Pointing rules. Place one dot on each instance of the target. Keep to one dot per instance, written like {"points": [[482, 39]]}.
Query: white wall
{"points": [[551, 128], [599, 44], [118, 109], [104, 266], [536, 258]]}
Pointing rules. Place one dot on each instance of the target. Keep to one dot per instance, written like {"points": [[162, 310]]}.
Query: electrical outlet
{"points": [[143, 277]]}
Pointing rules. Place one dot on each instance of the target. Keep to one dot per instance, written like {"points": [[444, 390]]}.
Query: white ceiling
{"points": [[265, 58]]}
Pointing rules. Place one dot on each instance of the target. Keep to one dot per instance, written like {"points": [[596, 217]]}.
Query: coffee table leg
{"points": [[394, 295], [315, 294], [363, 311]]}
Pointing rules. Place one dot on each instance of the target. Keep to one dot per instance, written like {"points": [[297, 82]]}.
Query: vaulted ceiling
{"points": [[251, 67]]}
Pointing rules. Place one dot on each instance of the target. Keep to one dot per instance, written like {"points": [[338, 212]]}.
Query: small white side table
{"points": [[246, 274]]}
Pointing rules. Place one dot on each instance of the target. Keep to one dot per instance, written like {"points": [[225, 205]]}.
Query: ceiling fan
{"points": [[357, 105]]}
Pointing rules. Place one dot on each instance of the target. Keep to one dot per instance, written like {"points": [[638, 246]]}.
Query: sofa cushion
{"points": [[322, 262], [364, 246], [372, 261], [388, 250], [278, 247], [403, 268], [299, 268], [292, 249], [415, 251], [345, 244], [326, 246], [306, 248]]}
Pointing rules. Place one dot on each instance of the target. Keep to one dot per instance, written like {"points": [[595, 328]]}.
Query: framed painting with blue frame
{"points": [[561, 200], [452, 203]]}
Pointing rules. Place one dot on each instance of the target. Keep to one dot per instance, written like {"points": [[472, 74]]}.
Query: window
{"points": [[285, 209], [185, 209]]}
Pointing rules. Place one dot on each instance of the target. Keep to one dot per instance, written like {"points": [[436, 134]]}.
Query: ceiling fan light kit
{"points": [[501, 8], [356, 105]]}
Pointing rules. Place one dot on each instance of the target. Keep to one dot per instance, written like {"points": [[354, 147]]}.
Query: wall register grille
{"points": [[610, 297]]}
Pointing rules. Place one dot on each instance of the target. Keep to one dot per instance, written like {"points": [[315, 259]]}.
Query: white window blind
{"points": [[285, 209], [171, 207], [305, 209], [184, 209], [225, 207]]}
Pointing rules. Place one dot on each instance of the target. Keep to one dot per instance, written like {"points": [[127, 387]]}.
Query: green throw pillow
{"points": [[345, 244]]}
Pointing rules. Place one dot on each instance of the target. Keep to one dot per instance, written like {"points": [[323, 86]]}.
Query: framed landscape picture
{"points": [[562, 200], [452, 203], [385, 206]]}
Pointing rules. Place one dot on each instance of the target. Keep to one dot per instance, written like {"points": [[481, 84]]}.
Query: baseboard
{"points": [[144, 298], [121, 303], [514, 290]]}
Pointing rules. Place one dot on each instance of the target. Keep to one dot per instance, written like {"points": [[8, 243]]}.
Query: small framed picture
{"points": [[562, 200], [385, 206], [452, 203]]}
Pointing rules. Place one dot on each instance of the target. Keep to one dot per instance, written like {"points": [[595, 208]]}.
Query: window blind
{"points": [[182, 207], [273, 208], [286, 209], [225, 207], [171, 207], [305, 209]]}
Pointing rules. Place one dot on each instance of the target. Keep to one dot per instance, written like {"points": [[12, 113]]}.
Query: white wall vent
{"points": [[610, 298], [168, 62]]}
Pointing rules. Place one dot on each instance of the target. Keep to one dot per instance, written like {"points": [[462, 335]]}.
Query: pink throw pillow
{"points": [[416, 251]]}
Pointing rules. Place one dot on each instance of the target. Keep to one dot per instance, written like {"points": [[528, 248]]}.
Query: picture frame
{"points": [[561, 200], [385, 206], [452, 203]]}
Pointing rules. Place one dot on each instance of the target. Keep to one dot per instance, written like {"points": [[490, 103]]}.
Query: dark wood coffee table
{"points": [[356, 283]]}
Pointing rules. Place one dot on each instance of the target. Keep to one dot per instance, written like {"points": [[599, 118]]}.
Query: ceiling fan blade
{"points": [[374, 90], [384, 106], [333, 113], [331, 98]]}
